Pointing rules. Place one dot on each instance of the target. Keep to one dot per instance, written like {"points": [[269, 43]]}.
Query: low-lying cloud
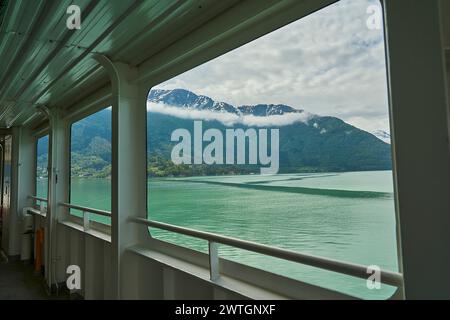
{"points": [[230, 119]]}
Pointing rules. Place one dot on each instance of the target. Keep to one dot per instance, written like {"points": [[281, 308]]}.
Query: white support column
{"points": [[129, 158], [58, 181], [26, 176], [22, 185], [421, 144]]}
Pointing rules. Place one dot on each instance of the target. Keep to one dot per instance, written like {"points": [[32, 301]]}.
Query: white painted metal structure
{"points": [[125, 48]]}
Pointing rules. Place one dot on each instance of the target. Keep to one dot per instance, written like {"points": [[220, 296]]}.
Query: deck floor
{"points": [[18, 281]]}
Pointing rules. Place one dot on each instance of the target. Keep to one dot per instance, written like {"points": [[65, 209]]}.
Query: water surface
{"points": [[345, 216]]}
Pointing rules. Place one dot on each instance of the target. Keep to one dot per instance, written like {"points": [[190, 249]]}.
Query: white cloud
{"points": [[230, 119], [328, 63]]}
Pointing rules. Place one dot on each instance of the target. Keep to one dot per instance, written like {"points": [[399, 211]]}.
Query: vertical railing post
{"points": [[86, 220], [214, 272]]}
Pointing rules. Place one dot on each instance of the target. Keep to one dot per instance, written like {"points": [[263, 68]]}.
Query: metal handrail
{"points": [[351, 269], [356, 270], [39, 199], [42, 207], [86, 209], [37, 212]]}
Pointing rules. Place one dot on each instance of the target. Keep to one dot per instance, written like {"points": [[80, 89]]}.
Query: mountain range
{"points": [[308, 142], [188, 100]]}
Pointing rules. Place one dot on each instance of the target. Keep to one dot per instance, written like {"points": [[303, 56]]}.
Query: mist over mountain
{"points": [[308, 142]]}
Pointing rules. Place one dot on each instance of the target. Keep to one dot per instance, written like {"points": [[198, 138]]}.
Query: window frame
{"points": [[236, 41], [71, 119], [37, 137]]}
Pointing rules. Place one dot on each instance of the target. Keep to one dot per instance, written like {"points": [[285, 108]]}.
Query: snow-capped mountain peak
{"points": [[382, 135], [188, 100]]}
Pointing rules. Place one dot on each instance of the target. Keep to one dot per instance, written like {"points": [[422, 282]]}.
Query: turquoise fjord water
{"points": [[345, 216]]}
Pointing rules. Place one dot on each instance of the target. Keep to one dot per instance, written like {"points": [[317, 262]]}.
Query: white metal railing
{"points": [[41, 203], [356, 270], [86, 212], [39, 199], [351, 269]]}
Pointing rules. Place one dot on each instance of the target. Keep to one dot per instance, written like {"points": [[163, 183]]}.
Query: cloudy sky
{"points": [[328, 63]]}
